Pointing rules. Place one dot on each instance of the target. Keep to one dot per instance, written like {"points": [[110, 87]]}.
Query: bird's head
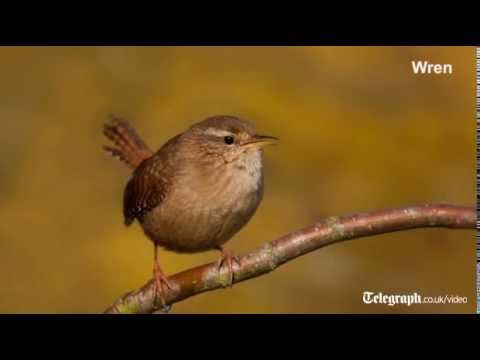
{"points": [[229, 137]]}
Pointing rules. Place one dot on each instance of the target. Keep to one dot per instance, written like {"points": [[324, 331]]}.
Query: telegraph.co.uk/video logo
{"points": [[370, 297]]}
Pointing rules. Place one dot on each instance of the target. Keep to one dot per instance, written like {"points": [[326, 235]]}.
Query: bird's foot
{"points": [[228, 258], [160, 280]]}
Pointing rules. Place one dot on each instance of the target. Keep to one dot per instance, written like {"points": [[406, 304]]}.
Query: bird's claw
{"points": [[159, 281], [228, 258]]}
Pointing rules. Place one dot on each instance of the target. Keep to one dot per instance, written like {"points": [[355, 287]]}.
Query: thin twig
{"points": [[277, 252]]}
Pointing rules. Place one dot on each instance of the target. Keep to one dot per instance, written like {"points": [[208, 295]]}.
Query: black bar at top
{"points": [[223, 36]]}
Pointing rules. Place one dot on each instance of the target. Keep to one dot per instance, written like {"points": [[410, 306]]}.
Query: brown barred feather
{"points": [[143, 192], [130, 147], [149, 184]]}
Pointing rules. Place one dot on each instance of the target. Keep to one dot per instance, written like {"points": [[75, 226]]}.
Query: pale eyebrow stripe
{"points": [[218, 132]]}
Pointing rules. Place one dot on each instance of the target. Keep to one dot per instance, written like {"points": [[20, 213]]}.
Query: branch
{"points": [[277, 252]]}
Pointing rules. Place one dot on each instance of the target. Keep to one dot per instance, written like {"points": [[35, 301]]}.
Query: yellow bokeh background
{"points": [[359, 131]]}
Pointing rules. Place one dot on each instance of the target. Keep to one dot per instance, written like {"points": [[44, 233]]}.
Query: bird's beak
{"points": [[262, 140]]}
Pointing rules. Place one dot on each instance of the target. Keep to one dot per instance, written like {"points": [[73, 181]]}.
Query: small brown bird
{"points": [[197, 191]]}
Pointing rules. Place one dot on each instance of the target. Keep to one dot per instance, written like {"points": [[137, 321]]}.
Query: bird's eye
{"points": [[229, 140]]}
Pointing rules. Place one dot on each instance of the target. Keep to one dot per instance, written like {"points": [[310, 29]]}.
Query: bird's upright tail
{"points": [[130, 148]]}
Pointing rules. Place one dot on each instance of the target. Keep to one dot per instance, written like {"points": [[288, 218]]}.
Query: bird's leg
{"points": [[159, 280], [227, 258]]}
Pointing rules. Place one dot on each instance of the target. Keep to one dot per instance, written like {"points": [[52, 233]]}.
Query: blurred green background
{"points": [[358, 132]]}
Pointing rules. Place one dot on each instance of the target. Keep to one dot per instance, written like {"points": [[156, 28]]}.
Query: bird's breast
{"points": [[207, 207]]}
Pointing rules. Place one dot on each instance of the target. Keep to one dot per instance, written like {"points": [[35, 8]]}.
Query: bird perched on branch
{"points": [[199, 189]]}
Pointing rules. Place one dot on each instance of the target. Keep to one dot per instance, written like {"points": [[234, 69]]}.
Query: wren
{"points": [[198, 190]]}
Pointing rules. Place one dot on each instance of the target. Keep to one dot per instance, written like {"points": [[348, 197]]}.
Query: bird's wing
{"points": [[145, 190]]}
